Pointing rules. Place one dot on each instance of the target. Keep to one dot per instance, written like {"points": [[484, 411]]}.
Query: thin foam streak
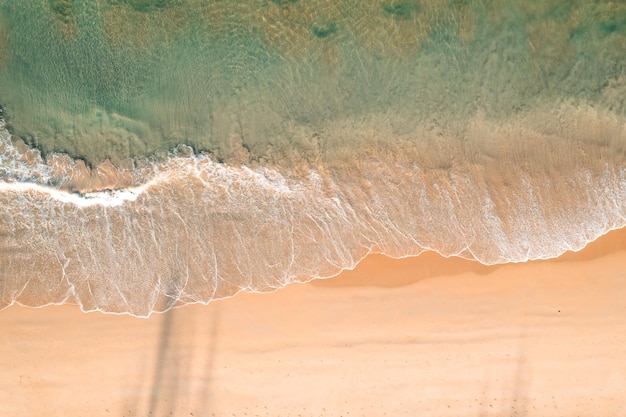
{"points": [[107, 198]]}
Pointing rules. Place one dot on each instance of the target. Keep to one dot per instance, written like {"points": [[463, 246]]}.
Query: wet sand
{"points": [[419, 336]]}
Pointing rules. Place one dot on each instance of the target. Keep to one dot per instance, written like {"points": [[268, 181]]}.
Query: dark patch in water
{"points": [[324, 30], [613, 26], [63, 9], [400, 9], [459, 3], [284, 2], [604, 26], [560, 12], [146, 5]]}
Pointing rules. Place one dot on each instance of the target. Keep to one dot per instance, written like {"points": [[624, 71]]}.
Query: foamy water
{"points": [[191, 230], [180, 152]]}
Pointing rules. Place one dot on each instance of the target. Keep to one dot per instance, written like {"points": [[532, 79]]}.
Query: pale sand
{"points": [[425, 336]]}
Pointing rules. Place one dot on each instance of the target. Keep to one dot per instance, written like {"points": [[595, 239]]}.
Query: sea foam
{"points": [[188, 229]]}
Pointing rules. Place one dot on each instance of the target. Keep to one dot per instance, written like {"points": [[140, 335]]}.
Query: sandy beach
{"points": [[419, 336], [174, 152]]}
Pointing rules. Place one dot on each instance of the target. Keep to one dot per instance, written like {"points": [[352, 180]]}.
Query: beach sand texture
{"points": [[418, 336], [171, 160], [155, 154]]}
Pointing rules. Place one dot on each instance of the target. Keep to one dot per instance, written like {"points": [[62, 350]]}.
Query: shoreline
{"points": [[369, 270], [440, 336]]}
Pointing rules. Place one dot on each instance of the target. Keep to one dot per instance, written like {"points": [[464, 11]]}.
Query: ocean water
{"points": [[160, 153]]}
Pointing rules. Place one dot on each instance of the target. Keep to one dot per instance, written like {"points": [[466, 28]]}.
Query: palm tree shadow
{"points": [[184, 364], [166, 372], [518, 399]]}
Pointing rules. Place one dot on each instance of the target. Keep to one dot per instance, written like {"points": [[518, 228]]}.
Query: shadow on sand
{"points": [[374, 269]]}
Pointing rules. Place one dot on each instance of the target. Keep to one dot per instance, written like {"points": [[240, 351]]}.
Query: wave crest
{"points": [[187, 229]]}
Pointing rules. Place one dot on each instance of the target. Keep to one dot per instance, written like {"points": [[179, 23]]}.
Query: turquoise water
{"points": [[120, 79], [158, 153]]}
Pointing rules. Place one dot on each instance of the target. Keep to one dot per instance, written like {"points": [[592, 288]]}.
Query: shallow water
{"points": [[170, 152]]}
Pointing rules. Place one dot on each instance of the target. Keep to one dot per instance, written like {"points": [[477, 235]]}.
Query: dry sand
{"points": [[422, 336]]}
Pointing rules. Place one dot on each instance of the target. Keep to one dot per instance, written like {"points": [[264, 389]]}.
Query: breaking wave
{"points": [[187, 229]]}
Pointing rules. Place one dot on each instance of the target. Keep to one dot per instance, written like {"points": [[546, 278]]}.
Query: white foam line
{"points": [[269, 290], [107, 198]]}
